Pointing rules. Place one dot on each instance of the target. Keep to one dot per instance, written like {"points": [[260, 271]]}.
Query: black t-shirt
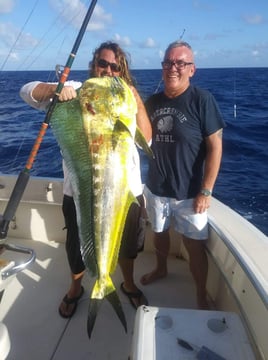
{"points": [[180, 126]]}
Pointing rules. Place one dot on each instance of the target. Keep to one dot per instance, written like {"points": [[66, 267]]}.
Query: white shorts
{"points": [[161, 210]]}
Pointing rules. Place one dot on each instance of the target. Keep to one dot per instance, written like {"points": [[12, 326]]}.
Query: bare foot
{"points": [[152, 276]]}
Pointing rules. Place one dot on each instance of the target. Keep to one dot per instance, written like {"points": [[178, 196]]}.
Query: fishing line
{"points": [[158, 86], [39, 42], [49, 78], [19, 35], [24, 175], [44, 49], [28, 125], [53, 24], [12, 167], [52, 77], [17, 155], [56, 79]]}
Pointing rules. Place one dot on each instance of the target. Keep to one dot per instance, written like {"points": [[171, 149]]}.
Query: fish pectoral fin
{"points": [[142, 143], [114, 300]]}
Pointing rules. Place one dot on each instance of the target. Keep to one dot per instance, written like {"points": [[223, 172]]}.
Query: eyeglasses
{"points": [[179, 64], [104, 64]]}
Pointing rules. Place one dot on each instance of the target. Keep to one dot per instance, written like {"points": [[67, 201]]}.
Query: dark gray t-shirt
{"points": [[180, 126]]}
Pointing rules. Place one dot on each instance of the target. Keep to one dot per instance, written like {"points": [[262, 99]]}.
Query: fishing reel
{"points": [[58, 71]]}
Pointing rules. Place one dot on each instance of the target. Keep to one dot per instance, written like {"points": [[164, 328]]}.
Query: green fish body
{"points": [[96, 134]]}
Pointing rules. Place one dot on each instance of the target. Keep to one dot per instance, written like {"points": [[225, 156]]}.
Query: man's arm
{"points": [[211, 170], [46, 91], [142, 119], [38, 94]]}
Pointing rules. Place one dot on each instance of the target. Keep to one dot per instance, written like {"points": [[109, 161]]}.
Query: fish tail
{"points": [[101, 290], [93, 309], [114, 300]]}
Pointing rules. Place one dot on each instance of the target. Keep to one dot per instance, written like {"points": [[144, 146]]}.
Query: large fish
{"points": [[96, 133]]}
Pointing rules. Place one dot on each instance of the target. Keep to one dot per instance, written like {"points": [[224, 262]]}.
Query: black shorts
{"points": [[129, 245], [72, 244]]}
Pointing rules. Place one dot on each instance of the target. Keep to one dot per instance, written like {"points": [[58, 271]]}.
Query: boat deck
{"points": [[29, 307]]}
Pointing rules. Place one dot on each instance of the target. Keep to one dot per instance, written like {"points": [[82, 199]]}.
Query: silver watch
{"points": [[206, 192]]}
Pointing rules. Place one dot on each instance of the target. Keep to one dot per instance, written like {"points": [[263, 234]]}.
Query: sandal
{"points": [[138, 295], [71, 301]]}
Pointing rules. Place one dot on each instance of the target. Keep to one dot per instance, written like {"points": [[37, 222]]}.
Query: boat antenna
{"points": [[24, 175], [235, 93], [183, 32]]}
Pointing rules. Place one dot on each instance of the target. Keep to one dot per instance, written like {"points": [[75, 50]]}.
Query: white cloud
{"points": [[203, 5], [123, 41], [74, 11], [9, 36], [149, 43], [253, 19], [13, 43], [161, 54], [213, 36], [6, 6]]}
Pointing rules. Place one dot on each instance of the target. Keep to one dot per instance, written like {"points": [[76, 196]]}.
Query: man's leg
{"points": [[127, 268], [75, 291], [162, 244], [129, 287], [127, 255], [198, 263], [69, 302]]}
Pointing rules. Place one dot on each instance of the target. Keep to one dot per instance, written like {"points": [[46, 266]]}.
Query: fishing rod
{"points": [[24, 175]]}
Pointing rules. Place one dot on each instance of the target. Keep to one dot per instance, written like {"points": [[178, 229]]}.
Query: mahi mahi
{"points": [[96, 134]]}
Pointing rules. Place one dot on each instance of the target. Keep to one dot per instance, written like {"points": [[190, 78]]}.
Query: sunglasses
{"points": [[104, 64]]}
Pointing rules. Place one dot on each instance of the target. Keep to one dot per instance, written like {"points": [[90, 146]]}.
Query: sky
{"points": [[38, 34]]}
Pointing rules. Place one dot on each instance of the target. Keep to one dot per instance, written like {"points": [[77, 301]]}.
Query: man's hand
{"points": [[67, 93], [201, 203]]}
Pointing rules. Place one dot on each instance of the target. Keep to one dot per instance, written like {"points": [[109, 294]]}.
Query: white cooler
{"points": [[182, 334]]}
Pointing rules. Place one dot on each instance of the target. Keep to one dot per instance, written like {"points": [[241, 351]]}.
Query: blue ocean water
{"points": [[241, 93]]}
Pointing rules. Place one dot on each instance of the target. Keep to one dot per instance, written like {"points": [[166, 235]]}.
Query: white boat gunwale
{"points": [[258, 281]]}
